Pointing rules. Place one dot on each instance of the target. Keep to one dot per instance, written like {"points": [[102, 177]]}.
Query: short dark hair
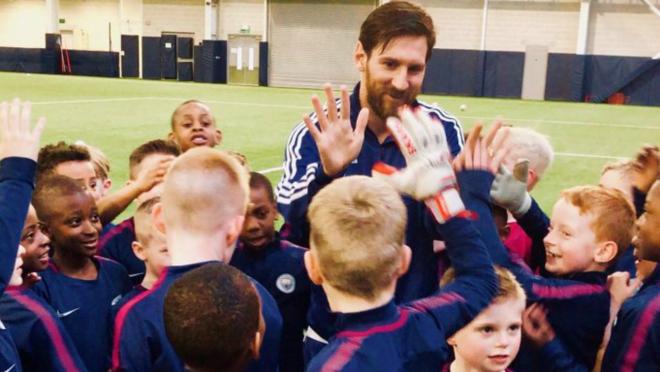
{"points": [[396, 19], [52, 187], [158, 146], [211, 317], [258, 180], [50, 156], [176, 110]]}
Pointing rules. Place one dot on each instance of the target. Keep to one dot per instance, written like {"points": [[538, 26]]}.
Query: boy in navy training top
{"points": [[277, 265], [78, 285], [358, 252], [589, 227], [228, 333], [18, 154], [42, 342], [634, 345], [204, 201], [149, 247], [117, 243], [193, 125]]}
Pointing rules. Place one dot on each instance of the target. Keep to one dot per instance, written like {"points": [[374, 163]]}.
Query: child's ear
{"points": [[451, 341], [256, 345], [532, 178], [360, 57], [406, 256], [138, 249], [234, 230], [218, 136], [107, 184], [606, 252], [312, 267], [172, 137], [157, 216]]}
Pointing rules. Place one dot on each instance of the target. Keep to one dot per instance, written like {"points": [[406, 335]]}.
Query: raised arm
{"points": [[18, 153], [319, 149]]}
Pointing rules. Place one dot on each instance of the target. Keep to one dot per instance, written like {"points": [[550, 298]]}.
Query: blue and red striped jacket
{"points": [[42, 341], [578, 305], [140, 342], [116, 245], [16, 185], [413, 336], [635, 341]]}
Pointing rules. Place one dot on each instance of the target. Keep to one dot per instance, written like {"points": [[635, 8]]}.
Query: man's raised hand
{"points": [[17, 138], [338, 143]]}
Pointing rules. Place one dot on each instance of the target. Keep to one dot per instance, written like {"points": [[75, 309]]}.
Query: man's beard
{"points": [[376, 98]]}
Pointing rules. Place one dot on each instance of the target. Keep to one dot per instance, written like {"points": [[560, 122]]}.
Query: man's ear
{"points": [[360, 57], [312, 267], [138, 250], [606, 252], [158, 219]]}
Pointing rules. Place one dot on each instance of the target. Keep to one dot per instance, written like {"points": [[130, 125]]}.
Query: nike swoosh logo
{"points": [[115, 300], [10, 368], [66, 313], [134, 275]]}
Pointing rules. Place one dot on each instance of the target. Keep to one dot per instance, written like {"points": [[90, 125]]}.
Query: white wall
{"points": [[624, 30], [235, 13], [23, 23], [89, 22], [183, 16]]}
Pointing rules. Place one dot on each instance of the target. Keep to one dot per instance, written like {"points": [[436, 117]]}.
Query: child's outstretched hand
{"points": [[509, 190], [483, 153], [646, 168], [17, 138], [536, 326]]}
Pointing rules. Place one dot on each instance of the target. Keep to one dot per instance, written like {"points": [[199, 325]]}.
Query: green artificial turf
{"points": [[117, 115]]}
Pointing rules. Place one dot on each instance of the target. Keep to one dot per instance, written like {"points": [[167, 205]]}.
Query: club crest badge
{"points": [[286, 283]]}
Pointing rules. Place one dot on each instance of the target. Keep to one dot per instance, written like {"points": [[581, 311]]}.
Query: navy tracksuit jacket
{"points": [[280, 268], [16, 185], [578, 305], [140, 342], [116, 245], [413, 337]]}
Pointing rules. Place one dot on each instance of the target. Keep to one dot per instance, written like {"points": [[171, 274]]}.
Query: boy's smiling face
{"points": [[74, 224], [193, 126], [647, 235], [570, 244]]}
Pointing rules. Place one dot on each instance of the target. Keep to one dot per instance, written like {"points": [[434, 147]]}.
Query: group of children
{"points": [[199, 278]]}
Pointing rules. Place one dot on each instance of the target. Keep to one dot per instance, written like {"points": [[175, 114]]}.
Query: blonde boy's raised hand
{"points": [[646, 168], [337, 142], [17, 138]]}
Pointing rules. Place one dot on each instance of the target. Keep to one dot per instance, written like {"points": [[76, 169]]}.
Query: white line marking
{"points": [[592, 156], [309, 108], [566, 122], [270, 170]]}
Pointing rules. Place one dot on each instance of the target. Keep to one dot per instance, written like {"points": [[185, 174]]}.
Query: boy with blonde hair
{"points": [[357, 253], [491, 341], [202, 209]]}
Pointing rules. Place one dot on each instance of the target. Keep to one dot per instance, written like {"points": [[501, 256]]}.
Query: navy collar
{"points": [[175, 271], [365, 319], [592, 277], [654, 278]]}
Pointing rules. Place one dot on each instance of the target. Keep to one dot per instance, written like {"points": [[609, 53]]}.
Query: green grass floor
{"points": [[117, 115]]}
